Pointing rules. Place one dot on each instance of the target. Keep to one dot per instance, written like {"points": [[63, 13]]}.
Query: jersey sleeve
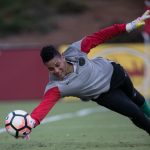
{"points": [[99, 37], [50, 98]]}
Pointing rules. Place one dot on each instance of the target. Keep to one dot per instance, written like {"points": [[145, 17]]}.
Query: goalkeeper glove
{"points": [[32, 124], [139, 22]]}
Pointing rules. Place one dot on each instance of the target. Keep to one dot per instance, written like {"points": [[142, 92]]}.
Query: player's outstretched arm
{"points": [[139, 22], [93, 40], [50, 98]]}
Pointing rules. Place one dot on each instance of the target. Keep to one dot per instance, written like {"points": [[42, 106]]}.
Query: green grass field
{"points": [[97, 130]]}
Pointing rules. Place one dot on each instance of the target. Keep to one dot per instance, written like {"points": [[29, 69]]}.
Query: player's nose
{"points": [[56, 70]]}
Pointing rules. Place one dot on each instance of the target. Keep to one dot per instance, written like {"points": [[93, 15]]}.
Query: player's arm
{"points": [[101, 36], [105, 34], [50, 98], [93, 40]]}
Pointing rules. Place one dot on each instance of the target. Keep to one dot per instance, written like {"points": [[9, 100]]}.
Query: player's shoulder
{"points": [[71, 51], [73, 48], [51, 84]]}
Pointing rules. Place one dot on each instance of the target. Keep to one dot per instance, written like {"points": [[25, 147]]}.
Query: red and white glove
{"points": [[139, 22], [32, 125]]}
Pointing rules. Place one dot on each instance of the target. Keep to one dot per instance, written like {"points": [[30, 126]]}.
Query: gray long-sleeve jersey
{"points": [[90, 77]]}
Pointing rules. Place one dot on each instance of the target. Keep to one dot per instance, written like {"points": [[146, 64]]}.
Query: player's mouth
{"points": [[60, 75]]}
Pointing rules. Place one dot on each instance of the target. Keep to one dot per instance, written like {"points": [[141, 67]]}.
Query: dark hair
{"points": [[48, 53]]}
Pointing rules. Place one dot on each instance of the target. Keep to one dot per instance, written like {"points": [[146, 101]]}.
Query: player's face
{"points": [[57, 67]]}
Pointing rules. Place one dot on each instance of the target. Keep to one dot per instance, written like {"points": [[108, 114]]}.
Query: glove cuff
{"points": [[134, 24], [31, 122]]}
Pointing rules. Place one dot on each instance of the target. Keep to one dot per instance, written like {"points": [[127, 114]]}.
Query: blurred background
{"points": [[26, 26], [62, 21]]}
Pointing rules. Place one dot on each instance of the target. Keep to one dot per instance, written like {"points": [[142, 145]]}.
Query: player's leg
{"points": [[135, 96], [144, 106], [117, 101], [121, 79]]}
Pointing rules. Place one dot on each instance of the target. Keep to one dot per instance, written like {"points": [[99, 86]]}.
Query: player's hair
{"points": [[48, 53]]}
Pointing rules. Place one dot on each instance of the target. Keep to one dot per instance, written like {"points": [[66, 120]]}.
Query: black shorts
{"points": [[118, 77]]}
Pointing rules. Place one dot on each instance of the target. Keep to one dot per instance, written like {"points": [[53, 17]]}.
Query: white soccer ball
{"points": [[17, 123]]}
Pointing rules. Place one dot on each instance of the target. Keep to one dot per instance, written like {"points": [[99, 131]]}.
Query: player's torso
{"points": [[89, 79]]}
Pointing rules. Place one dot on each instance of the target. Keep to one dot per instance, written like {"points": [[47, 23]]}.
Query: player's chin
{"points": [[60, 77]]}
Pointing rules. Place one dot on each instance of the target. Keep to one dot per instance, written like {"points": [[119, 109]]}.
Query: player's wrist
{"points": [[32, 122]]}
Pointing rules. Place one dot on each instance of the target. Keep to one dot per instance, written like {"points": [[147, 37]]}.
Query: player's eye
{"points": [[51, 69], [57, 64]]}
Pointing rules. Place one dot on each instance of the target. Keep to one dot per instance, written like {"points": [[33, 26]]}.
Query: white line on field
{"points": [[79, 113], [2, 130]]}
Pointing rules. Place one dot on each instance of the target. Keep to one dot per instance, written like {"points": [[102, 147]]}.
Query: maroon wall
{"points": [[22, 74]]}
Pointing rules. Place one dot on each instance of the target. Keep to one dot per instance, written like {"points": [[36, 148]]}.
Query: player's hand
{"points": [[31, 123], [139, 22], [26, 137]]}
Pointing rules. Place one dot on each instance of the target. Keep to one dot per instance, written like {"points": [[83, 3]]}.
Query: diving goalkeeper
{"points": [[99, 80]]}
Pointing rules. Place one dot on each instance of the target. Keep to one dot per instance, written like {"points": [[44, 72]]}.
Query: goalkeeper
{"points": [[100, 80]]}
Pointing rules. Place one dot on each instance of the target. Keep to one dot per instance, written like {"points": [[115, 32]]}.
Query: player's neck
{"points": [[69, 68]]}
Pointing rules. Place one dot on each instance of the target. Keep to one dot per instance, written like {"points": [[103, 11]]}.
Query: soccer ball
{"points": [[18, 123]]}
